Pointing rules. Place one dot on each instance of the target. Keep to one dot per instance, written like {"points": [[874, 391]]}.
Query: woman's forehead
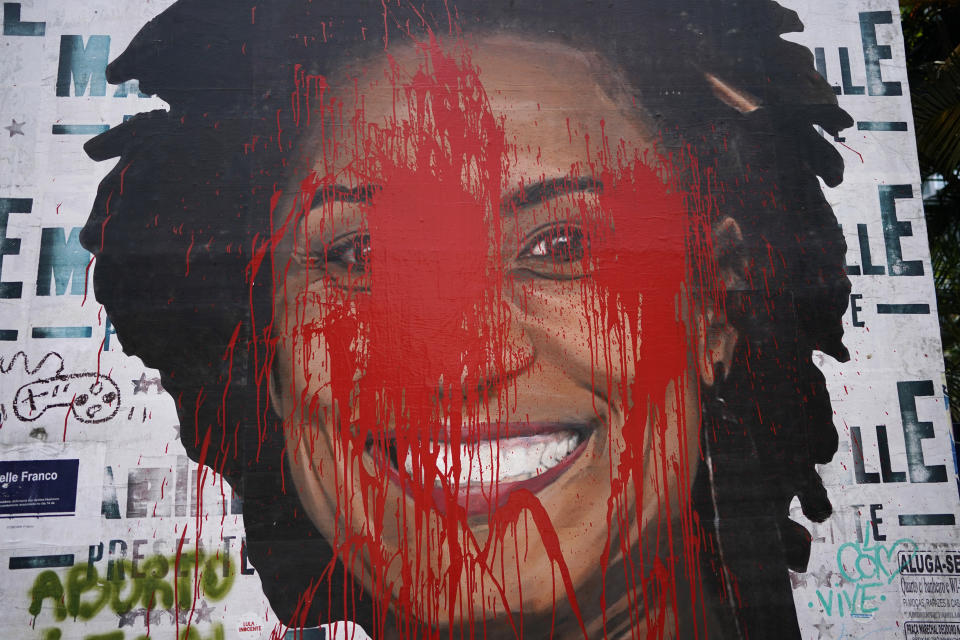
{"points": [[557, 106]]}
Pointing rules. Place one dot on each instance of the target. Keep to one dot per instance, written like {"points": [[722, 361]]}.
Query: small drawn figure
{"points": [[92, 397]]}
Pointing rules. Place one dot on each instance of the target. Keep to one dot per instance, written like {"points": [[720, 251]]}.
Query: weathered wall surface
{"points": [[110, 530]]}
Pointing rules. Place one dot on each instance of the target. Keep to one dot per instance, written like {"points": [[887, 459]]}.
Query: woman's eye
{"points": [[565, 245], [345, 261], [352, 252], [556, 252]]}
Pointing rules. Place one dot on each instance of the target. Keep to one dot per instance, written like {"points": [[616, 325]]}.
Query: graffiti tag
{"points": [[863, 568]]}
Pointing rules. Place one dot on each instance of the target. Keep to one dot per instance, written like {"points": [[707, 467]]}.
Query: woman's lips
{"points": [[525, 456]]}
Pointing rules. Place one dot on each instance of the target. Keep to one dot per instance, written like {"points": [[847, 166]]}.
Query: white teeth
{"points": [[503, 460]]}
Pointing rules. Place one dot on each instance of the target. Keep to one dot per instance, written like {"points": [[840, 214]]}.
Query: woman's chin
{"points": [[510, 574], [469, 618]]}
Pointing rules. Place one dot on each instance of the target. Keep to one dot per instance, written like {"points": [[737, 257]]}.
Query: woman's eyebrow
{"points": [[547, 189], [343, 193], [525, 196]]}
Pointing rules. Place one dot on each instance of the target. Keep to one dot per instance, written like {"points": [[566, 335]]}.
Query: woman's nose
{"points": [[509, 352]]}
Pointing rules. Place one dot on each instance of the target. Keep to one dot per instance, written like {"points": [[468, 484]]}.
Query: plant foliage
{"points": [[931, 32]]}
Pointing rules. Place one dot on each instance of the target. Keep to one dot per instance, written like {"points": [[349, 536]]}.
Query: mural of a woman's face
{"points": [[489, 352]]}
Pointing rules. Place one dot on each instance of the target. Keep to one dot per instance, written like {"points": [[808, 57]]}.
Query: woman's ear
{"points": [[716, 342], [716, 337], [730, 254]]}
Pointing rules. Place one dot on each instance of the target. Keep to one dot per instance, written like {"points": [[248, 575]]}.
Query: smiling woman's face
{"points": [[474, 418]]}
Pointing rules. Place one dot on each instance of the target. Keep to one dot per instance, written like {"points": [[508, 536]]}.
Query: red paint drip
{"points": [[419, 348]]}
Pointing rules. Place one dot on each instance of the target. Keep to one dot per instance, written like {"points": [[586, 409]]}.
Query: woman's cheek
{"points": [[613, 340], [620, 345], [300, 385], [607, 339], [325, 346], [575, 329]]}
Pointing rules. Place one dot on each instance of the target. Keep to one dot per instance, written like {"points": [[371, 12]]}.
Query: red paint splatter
{"points": [[66, 417], [427, 346], [859, 155], [187, 257]]}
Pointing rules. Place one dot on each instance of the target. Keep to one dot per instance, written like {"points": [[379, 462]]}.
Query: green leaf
{"points": [[936, 109]]}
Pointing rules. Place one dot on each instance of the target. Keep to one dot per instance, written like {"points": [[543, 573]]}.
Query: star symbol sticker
{"points": [[822, 576], [141, 385], [823, 628], [196, 614], [130, 618], [203, 611], [15, 128], [798, 580]]}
